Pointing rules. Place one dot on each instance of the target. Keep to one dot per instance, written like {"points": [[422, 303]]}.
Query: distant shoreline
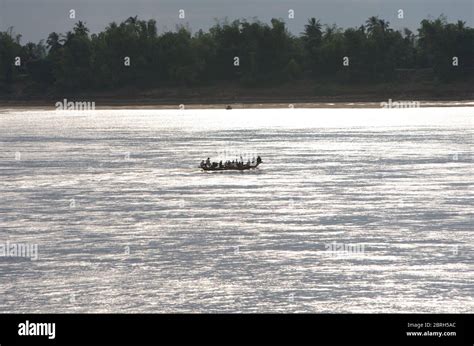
{"points": [[299, 94], [193, 104]]}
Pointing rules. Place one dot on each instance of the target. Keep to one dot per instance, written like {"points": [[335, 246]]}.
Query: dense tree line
{"points": [[267, 54]]}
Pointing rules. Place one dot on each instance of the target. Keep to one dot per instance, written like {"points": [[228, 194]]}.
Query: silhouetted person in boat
{"points": [[228, 107], [220, 165], [203, 164], [259, 160], [208, 162]]}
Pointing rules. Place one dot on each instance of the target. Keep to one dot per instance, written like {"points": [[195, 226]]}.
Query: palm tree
{"points": [[132, 20], [461, 25], [80, 29], [372, 24], [54, 41], [376, 25], [312, 32]]}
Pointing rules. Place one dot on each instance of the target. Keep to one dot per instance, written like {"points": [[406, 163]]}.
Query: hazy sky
{"points": [[35, 19]]}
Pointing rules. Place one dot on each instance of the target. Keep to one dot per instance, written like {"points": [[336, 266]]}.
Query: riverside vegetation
{"points": [[246, 55]]}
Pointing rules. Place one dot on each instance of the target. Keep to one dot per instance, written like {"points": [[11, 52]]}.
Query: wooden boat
{"points": [[242, 167]]}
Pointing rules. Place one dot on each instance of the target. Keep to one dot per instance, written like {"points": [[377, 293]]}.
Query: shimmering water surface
{"points": [[125, 222]]}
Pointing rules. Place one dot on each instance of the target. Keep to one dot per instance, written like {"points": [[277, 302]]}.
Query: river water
{"points": [[124, 221]]}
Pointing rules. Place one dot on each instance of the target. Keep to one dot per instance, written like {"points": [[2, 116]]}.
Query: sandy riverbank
{"points": [[302, 94], [130, 104]]}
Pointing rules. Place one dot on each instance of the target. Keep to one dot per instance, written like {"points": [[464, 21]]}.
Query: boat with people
{"points": [[234, 165]]}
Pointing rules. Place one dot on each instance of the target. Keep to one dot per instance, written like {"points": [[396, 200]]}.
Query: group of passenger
{"points": [[230, 164]]}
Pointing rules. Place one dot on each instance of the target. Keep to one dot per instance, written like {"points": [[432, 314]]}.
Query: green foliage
{"points": [[439, 41], [9, 49], [268, 54]]}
